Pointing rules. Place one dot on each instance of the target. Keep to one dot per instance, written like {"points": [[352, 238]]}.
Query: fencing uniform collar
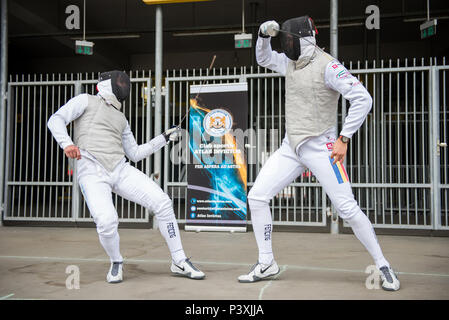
{"points": [[308, 52], [105, 91]]}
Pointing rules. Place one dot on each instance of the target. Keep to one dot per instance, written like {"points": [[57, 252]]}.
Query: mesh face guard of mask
{"points": [[120, 83], [300, 26]]}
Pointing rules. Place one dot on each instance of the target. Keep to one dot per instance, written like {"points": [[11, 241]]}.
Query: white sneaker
{"points": [[187, 269], [389, 280], [260, 271], [115, 274]]}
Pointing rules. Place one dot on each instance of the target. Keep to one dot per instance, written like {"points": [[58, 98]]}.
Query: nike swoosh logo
{"points": [[263, 271], [180, 267]]}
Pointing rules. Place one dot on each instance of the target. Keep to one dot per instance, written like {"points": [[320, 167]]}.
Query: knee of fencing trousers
{"points": [[257, 202], [347, 207], [165, 212], [106, 227], [257, 198]]}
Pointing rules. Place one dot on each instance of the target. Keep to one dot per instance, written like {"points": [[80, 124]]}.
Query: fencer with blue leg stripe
{"points": [[314, 81]]}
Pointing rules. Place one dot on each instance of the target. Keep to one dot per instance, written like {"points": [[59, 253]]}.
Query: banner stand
{"points": [[217, 169]]}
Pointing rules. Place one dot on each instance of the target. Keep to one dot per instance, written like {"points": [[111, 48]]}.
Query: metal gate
{"points": [[397, 162], [394, 161]]}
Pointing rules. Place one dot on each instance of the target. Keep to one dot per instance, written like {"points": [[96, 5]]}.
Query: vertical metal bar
{"points": [[69, 168], [147, 114], [31, 110], [3, 97], [57, 154], [390, 152], [435, 194], [398, 123], [27, 138], [14, 147], [251, 127], [382, 140], [140, 89], [280, 113], [39, 147], [374, 143], [407, 168], [186, 146], [158, 98], [181, 159], [133, 127], [174, 121], [8, 165], [415, 157], [158, 93], [167, 116], [445, 160], [334, 28], [424, 180], [51, 149], [75, 187], [64, 159]]}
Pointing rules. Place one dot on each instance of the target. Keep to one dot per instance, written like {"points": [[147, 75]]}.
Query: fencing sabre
{"points": [[201, 86]]}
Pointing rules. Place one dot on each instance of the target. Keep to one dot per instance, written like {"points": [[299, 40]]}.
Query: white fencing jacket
{"points": [[101, 130], [335, 77]]}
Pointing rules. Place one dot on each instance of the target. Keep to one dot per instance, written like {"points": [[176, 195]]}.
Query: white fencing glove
{"points": [[269, 29], [172, 134]]}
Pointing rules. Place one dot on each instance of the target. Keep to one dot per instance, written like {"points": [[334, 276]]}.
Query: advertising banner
{"points": [[217, 172]]}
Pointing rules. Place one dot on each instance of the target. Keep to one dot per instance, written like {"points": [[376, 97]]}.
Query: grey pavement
{"points": [[34, 260]]}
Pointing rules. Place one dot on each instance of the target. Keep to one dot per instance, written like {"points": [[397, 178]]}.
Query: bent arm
{"points": [[338, 78], [268, 58], [58, 122], [136, 152]]}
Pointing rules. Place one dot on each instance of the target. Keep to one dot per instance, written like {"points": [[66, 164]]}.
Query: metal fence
{"points": [[396, 162]]}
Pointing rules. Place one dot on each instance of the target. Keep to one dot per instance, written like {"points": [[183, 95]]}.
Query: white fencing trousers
{"points": [[283, 167], [97, 185]]}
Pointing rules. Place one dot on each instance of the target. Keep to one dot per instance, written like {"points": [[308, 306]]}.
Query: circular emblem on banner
{"points": [[217, 122]]}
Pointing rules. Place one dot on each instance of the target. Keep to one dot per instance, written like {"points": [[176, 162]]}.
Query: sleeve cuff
{"points": [[65, 144], [346, 134], [159, 141]]}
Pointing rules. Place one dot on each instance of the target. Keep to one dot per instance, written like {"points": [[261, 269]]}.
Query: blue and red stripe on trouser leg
{"points": [[339, 171]]}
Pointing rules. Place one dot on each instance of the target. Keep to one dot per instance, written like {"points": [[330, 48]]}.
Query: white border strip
{"points": [[219, 87]]}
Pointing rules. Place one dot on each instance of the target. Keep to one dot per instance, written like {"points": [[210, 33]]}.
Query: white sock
{"points": [[363, 230], [262, 226], [111, 245], [170, 231]]}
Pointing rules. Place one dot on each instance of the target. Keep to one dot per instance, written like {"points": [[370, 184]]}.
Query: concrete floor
{"points": [[33, 262]]}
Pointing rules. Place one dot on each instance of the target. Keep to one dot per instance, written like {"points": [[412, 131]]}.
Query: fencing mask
{"points": [[119, 82], [301, 26]]}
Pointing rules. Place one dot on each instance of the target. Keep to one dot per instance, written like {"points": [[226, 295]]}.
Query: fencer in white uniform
{"points": [[314, 82], [102, 138]]}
